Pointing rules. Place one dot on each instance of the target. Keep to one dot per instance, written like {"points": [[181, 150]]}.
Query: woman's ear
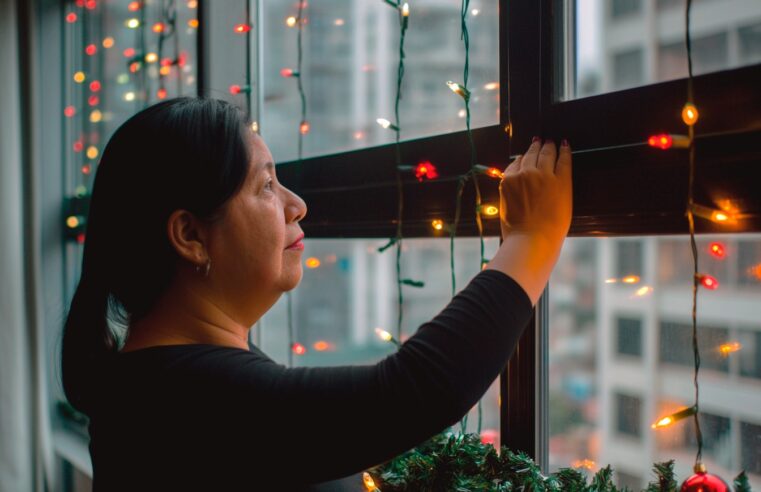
{"points": [[187, 235]]}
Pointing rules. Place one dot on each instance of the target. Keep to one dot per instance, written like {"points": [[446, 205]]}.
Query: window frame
{"points": [[350, 200]]}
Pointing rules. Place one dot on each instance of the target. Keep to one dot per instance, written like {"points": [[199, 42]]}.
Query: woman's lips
{"points": [[297, 244]]}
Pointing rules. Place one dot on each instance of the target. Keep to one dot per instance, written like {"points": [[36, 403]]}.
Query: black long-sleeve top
{"points": [[207, 417]]}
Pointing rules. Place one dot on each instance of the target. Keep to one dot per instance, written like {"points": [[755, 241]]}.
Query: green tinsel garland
{"points": [[462, 463]]}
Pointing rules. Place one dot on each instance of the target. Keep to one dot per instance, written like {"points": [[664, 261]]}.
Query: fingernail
{"points": [[535, 139], [564, 143]]}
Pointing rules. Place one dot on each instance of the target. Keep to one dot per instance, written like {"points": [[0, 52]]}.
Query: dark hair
{"points": [[184, 153]]}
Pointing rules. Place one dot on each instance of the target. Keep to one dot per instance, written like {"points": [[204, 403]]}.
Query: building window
{"points": [[749, 263], [750, 447], [675, 340], [624, 8], [710, 54], [750, 43], [628, 258], [628, 69], [628, 480], [629, 336], [628, 416], [750, 353]]}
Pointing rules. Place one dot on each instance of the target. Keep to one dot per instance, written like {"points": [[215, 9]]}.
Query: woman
{"points": [[190, 240]]}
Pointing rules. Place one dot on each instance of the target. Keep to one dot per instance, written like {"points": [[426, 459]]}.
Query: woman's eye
{"points": [[268, 184]]}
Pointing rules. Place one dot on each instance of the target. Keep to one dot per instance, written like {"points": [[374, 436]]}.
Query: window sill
{"points": [[73, 448]]}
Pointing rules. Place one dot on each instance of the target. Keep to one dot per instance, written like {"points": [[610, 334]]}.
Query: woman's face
{"points": [[252, 262]]}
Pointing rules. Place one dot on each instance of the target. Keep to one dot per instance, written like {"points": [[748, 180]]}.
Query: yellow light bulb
{"points": [[666, 421], [92, 152], [193, 23], [727, 348], [458, 89], [406, 9], [255, 126], [383, 122], [690, 114], [129, 96], [437, 224], [132, 23], [631, 279], [290, 21], [383, 334], [312, 262], [165, 70], [368, 481], [663, 422], [491, 210], [79, 77], [491, 86], [108, 42], [95, 116], [72, 221], [151, 57]]}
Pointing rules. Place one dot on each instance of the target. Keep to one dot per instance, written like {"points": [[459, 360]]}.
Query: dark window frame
{"points": [[353, 194]]}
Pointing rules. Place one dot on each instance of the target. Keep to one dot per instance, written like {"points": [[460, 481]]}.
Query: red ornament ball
{"points": [[703, 481]]}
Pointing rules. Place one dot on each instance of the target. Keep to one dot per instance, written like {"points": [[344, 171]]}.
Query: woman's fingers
{"points": [[564, 167], [514, 166], [548, 154], [532, 154]]}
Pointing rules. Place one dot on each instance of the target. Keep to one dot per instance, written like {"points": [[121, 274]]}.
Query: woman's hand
{"points": [[535, 214], [535, 193]]}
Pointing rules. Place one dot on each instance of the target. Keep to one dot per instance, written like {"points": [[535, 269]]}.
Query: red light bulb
{"points": [[708, 281], [234, 89], [426, 170], [242, 28], [298, 348], [91, 49], [69, 111], [95, 86], [662, 141], [717, 250]]}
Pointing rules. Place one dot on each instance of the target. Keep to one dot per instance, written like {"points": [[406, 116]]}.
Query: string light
{"points": [[437, 224], [304, 127], [242, 28], [95, 86], [134, 6], [79, 77], [666, 141], [158, 27], [95, 116], [322, 345], [492, 172], [426, 170], [643, 291], [383, 122], [714, 215], [728, 348], [490, 210], [312, 262], [151, 57], [387, 337], [73, 221], [690, 114], [288, 72], [92, 152], [129, 96], [717, 250], [298, 349], [129, 52], [459, 89], [369, 482], [629, 279], [132, 23], [91, 49], [71, 17], [674, 417], [708, 281], [108, 42], [290, 21], [69, 111]]}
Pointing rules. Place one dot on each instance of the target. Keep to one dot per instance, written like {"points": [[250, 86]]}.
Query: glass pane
{"points": [[621, 355], [619, 44], [336, 325], [118, 59], [349, 73]]}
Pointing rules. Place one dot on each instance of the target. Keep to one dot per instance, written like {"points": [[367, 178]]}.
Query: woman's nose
{"points": [[296, 208]]}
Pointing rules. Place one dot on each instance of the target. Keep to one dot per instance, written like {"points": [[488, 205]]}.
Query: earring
{"points": [[206, 270]]}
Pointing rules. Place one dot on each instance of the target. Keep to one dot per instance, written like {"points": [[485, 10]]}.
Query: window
{"points": [[675, 343], [628, 68], [751, 447], [749, 264], [633, 482], [629, 336], [348, 289], [750, 352], [646, 45], [628, 416], [623, 8], [628, 259], [750, 43]]}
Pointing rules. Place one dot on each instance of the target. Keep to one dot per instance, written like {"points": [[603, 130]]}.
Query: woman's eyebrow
{"points": [[267, 166]]}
